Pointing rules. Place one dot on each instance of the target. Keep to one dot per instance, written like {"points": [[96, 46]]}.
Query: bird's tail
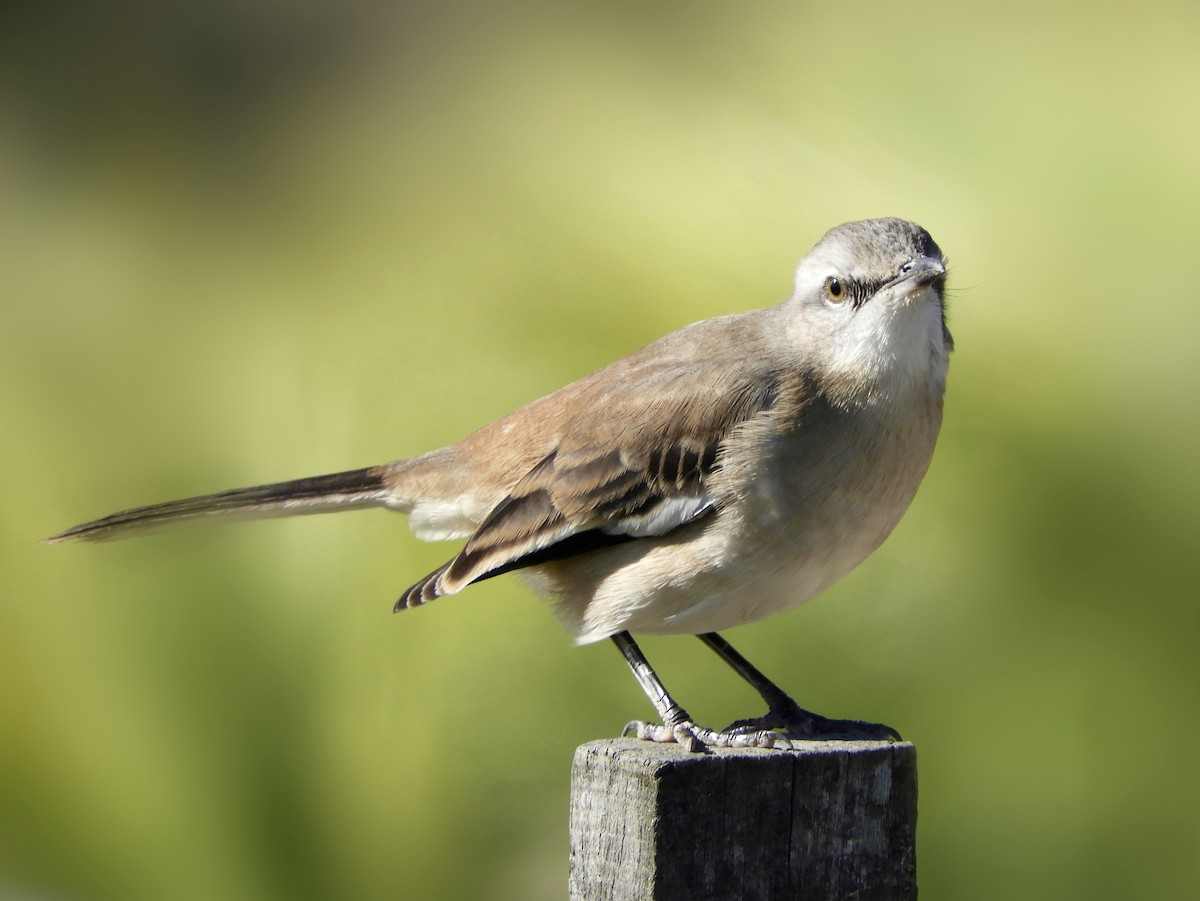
{"points": [[340, 491]]}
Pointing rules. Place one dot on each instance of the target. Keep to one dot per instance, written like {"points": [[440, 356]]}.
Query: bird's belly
{"points": [[796, 530], [764, 577]]}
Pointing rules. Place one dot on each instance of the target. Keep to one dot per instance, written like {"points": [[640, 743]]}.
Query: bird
{"points": [[720, 475]]}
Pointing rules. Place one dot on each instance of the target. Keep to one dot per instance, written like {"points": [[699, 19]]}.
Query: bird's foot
{"points": [[797, 723], [696, 738]]}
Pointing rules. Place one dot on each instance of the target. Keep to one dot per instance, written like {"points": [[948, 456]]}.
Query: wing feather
{"points": [[636, 474]]}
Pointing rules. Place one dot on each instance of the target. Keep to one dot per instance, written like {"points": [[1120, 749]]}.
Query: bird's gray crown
{"points": [[869, 249]]}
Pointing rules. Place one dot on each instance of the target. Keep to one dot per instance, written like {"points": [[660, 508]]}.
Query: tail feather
{"points": [[339, 491]]}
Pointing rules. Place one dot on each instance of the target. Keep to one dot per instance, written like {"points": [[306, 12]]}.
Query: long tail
{"points": [[340, 491]]}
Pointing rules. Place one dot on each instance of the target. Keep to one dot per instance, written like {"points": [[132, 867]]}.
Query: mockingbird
{"points": [[722, 474]]}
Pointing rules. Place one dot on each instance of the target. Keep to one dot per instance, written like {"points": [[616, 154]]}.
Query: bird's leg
{"points": [[677, 725], [784, 713]]}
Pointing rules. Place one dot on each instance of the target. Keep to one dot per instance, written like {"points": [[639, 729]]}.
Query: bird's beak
{"points": [[923, 272]]}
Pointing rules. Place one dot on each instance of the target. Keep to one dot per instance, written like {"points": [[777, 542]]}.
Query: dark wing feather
{"points": [[582, 497]]}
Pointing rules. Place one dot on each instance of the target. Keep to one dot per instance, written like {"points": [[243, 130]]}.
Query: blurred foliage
{"points": [[245, 241]]}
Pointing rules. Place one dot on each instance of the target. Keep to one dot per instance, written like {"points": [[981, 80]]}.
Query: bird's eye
{"points": [[835, 289]]}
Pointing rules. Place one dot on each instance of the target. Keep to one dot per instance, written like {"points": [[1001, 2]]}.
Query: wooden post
{"points": [[824, 821]]}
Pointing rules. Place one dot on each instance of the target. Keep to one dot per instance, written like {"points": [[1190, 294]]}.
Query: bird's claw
{"points": [[696, 738], [798, 723]]}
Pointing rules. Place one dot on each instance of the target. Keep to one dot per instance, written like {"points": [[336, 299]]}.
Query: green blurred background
{"points": [[242, 242]]}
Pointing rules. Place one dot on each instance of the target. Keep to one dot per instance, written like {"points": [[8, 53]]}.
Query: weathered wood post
{"points": [[823, 821]]}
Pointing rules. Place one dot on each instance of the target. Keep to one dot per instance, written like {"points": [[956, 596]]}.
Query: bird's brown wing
{"points": [[624, 470]]}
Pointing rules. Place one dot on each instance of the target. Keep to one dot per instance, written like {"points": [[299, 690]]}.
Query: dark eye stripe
{"points": [[861, 292]]}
